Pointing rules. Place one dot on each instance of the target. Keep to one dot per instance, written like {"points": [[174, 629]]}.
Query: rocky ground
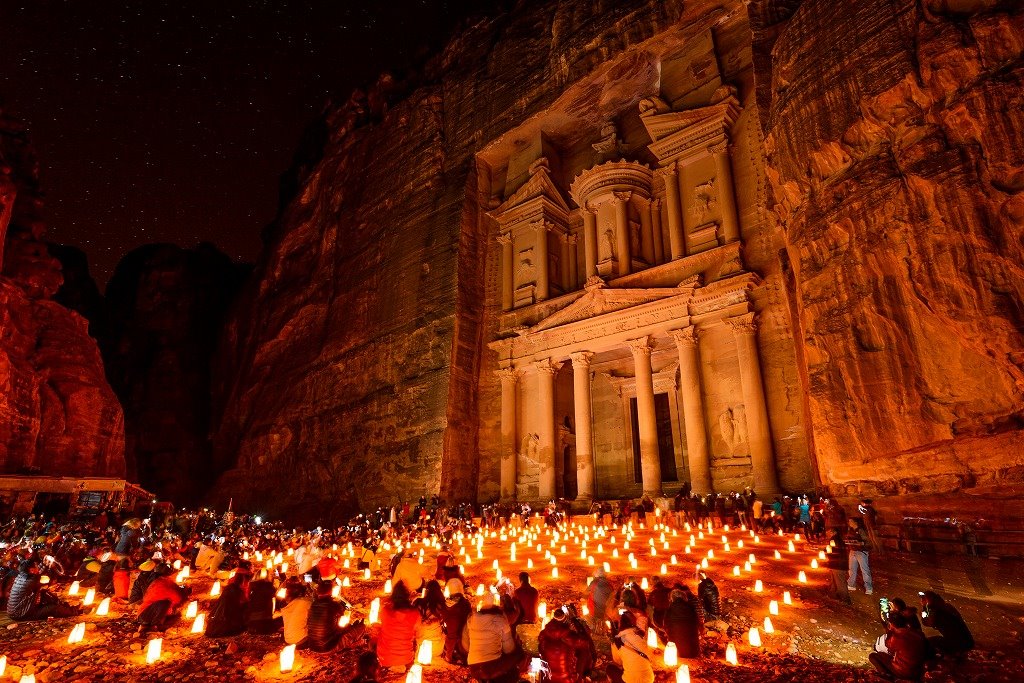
{"points": [[816, 639]]}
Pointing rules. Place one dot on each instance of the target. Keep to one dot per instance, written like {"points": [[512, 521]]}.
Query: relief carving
{"points": [[527, 269], [705, 201]]}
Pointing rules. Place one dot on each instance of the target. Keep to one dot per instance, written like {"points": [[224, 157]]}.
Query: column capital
{"points": [[581, 359], [667, 171], [685, 337], [742, 324], [640, 347], [572, 239], [504, 238], [508, 375], [546, 365], [622, 195], [542, 225]]}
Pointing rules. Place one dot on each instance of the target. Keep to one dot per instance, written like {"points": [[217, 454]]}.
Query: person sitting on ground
{"points": [[259, 615], [146, 576], [162, 600], [631, 658], [456, 614], [105, 577], [659, 601], [487, 638], [682, 624], [322, 624], [558, 645], [956, 637], [396, 638], [294, 615], [407, 571], [227, 618], [432, 610], [366, 668], [900, 606], [29, 601], [901, 653], [710, 602], [528, 598]]}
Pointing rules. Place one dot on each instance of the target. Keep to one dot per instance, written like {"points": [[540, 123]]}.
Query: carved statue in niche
{"points": [[705, 201], [609, 147], [634, 238], [732, 424], [531, 447], [526, 270], [608, 243]]}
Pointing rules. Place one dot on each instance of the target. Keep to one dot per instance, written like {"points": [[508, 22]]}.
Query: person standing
{"points": [[869, 516], [857, 541], [838, 562]]}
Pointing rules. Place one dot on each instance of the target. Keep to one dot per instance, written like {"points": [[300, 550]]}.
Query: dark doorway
{"points": [[666, 449], [569, 484]]}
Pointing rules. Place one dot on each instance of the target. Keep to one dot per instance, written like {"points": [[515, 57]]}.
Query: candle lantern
{"points": [[425, 653], [542, 609], [652, 639], [754, 636], [554, 572], [787, 598], [3, 664], [104, 608], [683, 674], [74, 588], [778, 555], [768, 626], [215, 589], [415, 674], [287, 658], [736, 570], [802, 577], [671, 655], [199, 625], [374, 611], [643, 583], [153, 650], [758, 586], [27, 678], [90, 597], [336, 591], [77, 633], [773, 608], [387, 587], [730, 655]]}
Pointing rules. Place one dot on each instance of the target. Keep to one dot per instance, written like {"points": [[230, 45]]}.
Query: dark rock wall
{"points": [[58, 414], [895, 142]]}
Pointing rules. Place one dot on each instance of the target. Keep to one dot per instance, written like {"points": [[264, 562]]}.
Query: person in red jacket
{"points": [[162, 601], [558, 644], [527, 597], [902, 652], [122, 579], [399, 621]]}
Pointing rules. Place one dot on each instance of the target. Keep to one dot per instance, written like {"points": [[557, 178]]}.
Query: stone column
{"points": [[545, 420], [585, 474], [541, 249], [647, 422], [507, 274], [762, 457], [659, 246], [726, 193], [509, 377], [675, 211], [563, 261], [693, 410], [646, 233], [623, 259], [574, 265], [590, 241]]}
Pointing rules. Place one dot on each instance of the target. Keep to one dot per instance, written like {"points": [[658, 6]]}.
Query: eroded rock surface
{"points": [[58, 415], [896, 161]]}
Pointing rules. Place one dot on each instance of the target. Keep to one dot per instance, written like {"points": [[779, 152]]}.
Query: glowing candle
{"points": [[3, 664], [374, 611], [643, 583], [758, 587], [74, 588], [425, 653], [672, 560], [754, 636], [77, 633], [215, 589], [607, 568], [730, 655], [787, 598], [366, 574], [683, 674], [739, 543], [664, 569], [28, 678], [746, 566], [529, 563], [768, 627], [542, 609], [792, 548], [586, 611], [736, 570], [652, 638], [153, 650], [711, 553], [802, 578], [344, 620], [387, 587], [415, 674], [104, 608], [281, 593], [778, 555], [671, 656], [554, 572], [704, 563], [199, 625], [287, 658], [821, 554], [773, 608], [346, 582], [90, 597], [480, 589]]}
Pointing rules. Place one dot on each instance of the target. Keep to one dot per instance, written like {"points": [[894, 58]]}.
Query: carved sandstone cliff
{"points": [[895, 140], [58, 415]]}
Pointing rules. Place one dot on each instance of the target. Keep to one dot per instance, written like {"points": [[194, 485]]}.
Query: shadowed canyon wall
{"points": [[895, 143], [58, 415]]}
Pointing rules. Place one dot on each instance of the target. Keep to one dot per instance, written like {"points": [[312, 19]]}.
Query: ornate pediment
{"points": [[680, 133], [539, 186], [602, 300]]}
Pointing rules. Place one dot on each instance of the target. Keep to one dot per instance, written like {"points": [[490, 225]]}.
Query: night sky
{"points": [[161, 121]]}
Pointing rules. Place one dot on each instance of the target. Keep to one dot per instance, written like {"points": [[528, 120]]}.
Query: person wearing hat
{"points": [[142, 581], [491, 650], [161, 601], [902, 652], [558, 645]]}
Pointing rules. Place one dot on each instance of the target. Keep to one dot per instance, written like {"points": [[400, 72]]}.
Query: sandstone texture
{"points": [[58, 415], [896, 159], [162, 315]]}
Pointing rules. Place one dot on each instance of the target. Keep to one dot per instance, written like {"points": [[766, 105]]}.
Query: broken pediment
{"points": [[601, 300], [539, 186], [683, 133]]}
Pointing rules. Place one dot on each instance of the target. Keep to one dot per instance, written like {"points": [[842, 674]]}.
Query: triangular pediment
{"points": [[602, 301], [674, 132], [538, 186]]}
